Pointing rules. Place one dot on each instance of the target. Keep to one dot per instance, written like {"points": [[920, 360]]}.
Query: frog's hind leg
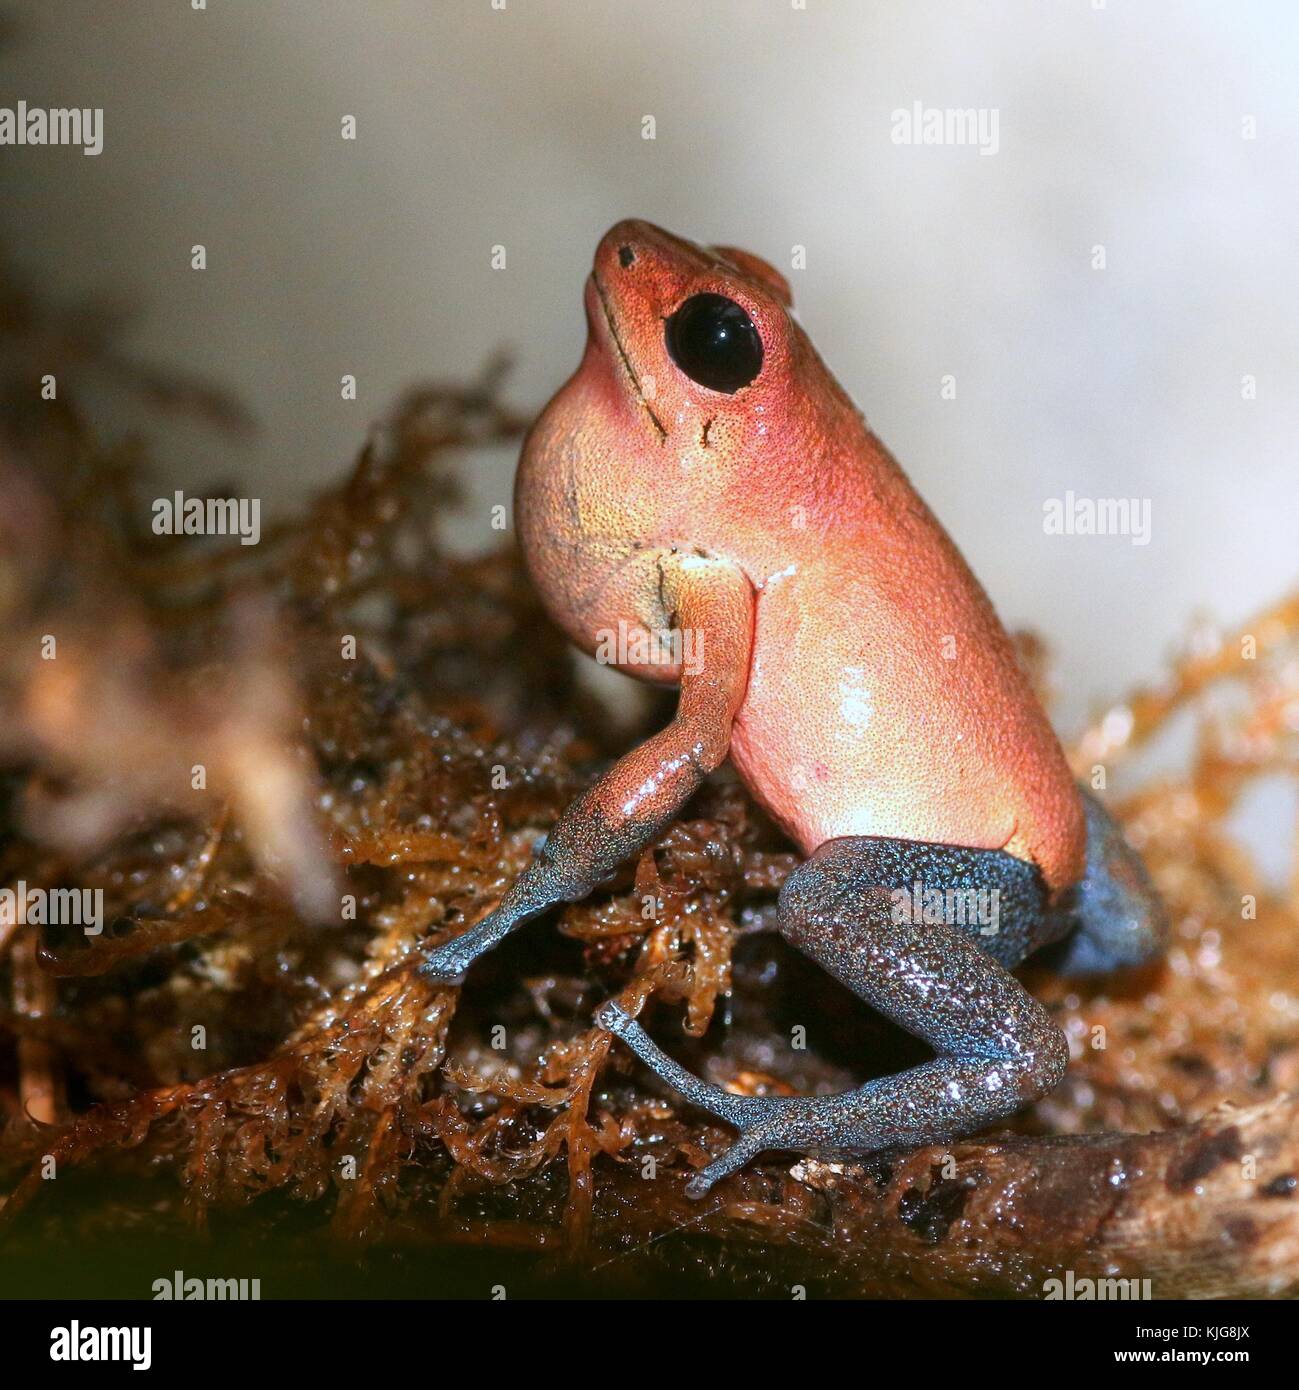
{"points": [[1117, 916], [926, 935]]}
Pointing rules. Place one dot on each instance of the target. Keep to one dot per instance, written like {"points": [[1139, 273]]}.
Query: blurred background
{"points": [[1164, 132]]}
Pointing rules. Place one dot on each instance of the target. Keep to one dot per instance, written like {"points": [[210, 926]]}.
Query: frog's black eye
{"points": [[715, 343]]}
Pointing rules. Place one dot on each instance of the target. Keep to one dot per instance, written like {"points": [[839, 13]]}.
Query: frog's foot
{"points": [[779, 1123], [447, 963], [731, 1108], [539, 887], [754, 1116], [764, 1122]]}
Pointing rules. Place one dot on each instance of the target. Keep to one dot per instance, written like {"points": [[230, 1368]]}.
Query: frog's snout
{"points": [[632, 246]]}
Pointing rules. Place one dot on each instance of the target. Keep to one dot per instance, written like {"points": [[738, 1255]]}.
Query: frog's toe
{"points": [[446, 964], [700, 1185], [613, 1018], [735, 1110], [749, 1145]]}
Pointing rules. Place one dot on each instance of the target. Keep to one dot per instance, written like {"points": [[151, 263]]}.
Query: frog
{"points": [[703, 492]]}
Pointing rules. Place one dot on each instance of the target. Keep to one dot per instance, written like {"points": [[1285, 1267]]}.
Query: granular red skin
{"points": [[883, 696]]}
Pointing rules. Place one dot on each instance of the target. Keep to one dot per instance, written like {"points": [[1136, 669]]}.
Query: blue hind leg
{"points": [[1119, 918]]}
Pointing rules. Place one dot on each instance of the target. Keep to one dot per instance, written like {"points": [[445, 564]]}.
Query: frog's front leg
{"points": [[863, 909], [711, 602]]}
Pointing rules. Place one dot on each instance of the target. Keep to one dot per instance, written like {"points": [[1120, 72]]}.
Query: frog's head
{"points": [[699, 399], [692, 337]]}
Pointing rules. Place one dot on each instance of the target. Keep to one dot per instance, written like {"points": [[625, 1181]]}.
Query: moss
{"points": [[357, 803]]}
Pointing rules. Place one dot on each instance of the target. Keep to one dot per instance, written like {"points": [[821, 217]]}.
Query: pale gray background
{"points": [[1119, 125]]}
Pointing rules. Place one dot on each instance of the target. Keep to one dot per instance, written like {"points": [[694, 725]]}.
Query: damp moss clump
{"points": [[288, 766]]}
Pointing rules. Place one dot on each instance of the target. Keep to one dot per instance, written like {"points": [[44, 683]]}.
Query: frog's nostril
{"points": [[625, 256]]}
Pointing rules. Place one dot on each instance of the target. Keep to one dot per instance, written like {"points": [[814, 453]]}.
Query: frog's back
{"points": [[885, 698]]}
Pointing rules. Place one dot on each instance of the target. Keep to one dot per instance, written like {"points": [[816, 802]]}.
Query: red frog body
{"points": [[702, 504], [884, 697]]}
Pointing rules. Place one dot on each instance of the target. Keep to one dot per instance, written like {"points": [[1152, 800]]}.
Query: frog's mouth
{"points": [[607, 312]]}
